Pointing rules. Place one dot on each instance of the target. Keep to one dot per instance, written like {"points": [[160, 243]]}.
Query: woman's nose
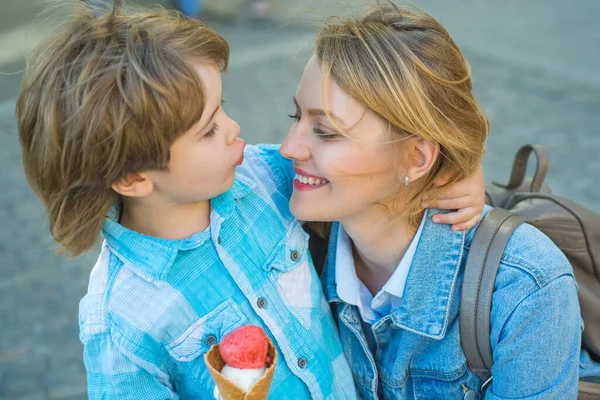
{"points": [[295, 146]]}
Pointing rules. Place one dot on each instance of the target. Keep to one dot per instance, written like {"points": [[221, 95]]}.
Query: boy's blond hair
{"points": [[103, 97]]}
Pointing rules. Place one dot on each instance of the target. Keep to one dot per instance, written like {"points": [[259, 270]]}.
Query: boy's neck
{"points": [[166, 221]]}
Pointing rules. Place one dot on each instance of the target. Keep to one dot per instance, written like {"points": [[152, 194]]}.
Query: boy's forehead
{"points": [[210, 75]]}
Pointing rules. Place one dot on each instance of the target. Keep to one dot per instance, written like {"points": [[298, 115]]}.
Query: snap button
{"points": [[261, 302], [210, 340], [469, 394], [302, 363], [295, 255]]}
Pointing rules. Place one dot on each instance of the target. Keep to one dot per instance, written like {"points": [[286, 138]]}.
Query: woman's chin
{"points": [[307, 212], [302, 210]]}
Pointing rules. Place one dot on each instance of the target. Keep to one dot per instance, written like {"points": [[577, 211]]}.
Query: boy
{"points": [[120, 115]]}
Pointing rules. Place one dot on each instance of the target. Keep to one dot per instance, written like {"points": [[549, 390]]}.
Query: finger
{"points": [[458, 217], [458, 190], [466, 225], [449, 204], [442, 179]]}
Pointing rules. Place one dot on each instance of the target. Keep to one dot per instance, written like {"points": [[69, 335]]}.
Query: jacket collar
{"points": [[431, 283], [153, 257]]}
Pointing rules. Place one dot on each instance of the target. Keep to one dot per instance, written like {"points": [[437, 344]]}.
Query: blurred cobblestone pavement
{"points": [[535, 69]]}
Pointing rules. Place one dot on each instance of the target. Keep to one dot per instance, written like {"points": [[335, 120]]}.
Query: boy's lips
{"points": [[241, 159]]}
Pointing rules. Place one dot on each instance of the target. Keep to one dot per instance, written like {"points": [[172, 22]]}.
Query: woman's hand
{"points": [[466, 196]]}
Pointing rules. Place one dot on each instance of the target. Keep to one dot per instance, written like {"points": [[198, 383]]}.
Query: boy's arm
{"points": [[467, 197], [112, 374], [280, 165]]}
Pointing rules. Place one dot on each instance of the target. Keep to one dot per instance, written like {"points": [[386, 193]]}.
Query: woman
{"points": [[384, 109]]}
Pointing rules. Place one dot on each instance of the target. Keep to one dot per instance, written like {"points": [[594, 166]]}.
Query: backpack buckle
{"points": [[486, 384]]}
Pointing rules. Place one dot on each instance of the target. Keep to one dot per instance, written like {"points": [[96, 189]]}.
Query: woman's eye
{"points": [[295, 117], [325, 135]]}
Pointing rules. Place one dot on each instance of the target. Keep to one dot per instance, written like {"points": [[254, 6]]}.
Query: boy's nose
{"points": [[234, 130], [294, 147]]}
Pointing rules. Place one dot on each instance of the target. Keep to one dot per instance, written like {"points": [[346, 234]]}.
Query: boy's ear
{"points": [[134, 185], [423, 155]]}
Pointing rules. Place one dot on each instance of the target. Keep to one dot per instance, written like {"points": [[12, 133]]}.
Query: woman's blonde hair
{"points": [[105, 96], [403, 66]]}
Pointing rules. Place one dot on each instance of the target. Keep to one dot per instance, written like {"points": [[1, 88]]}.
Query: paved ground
{"points": [[535, 69]]}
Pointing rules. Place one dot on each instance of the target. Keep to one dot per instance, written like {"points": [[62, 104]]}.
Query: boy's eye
{"points": [[212, 131]]}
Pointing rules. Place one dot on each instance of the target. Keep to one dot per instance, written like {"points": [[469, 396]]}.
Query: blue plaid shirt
{"points": [[155, 306]]}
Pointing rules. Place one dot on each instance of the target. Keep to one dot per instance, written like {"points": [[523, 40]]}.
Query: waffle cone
{"points": [[228, 390]]}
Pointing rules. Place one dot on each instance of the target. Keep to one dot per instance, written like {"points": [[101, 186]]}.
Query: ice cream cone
{"points": [[228, 390]]}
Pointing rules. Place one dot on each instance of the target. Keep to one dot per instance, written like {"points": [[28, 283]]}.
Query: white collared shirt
{"points": [[353, 291]]}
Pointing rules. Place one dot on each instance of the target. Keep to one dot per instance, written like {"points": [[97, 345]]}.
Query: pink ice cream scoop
{"points": [[245, 353]]}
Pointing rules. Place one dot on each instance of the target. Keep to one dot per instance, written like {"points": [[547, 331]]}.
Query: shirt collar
{"points": [[431, 282], [153, 257], [349, 287]]}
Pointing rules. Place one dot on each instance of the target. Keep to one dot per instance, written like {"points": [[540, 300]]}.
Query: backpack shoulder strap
{"points": [[485, 253]]}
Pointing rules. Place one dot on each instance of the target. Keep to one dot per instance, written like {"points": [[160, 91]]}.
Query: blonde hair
{"points": [[404, 67], [105, 96]]}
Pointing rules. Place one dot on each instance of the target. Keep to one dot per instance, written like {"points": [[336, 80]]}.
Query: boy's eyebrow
{"points": [[320, 113], [214, 113], [211, 118]]}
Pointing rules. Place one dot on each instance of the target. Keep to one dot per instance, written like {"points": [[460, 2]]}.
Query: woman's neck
{"points": [[378, 246], [163, 220]]}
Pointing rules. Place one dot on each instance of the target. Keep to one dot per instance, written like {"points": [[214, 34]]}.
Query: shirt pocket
{"points": [[188, 350], [459, 384], [295, 278]]}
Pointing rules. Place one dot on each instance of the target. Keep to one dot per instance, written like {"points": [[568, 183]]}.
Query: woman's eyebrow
{"points": [[318, 112]]}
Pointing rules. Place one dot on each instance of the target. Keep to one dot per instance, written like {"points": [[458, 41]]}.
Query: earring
{"points": [[406, 182]]}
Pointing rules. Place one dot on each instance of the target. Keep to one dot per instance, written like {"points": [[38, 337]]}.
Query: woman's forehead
{"points": [[314, 93]]}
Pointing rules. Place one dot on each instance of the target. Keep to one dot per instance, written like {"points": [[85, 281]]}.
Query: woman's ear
{"points": [[422, 156], [134, 185]]}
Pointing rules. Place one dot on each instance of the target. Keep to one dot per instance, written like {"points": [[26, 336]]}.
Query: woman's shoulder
{"points": [[531, 255]]}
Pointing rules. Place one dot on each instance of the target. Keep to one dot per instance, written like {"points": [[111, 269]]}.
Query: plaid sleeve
{"points": [[281, 166], [113, 374]]}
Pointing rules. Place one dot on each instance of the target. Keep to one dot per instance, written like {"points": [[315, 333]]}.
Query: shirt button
{"points": [[261, 302], [219, 240], [470, 395], [302, 363], [295, 255], [210, 340]]}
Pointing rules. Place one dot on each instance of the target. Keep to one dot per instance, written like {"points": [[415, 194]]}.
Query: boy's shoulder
{"points": [[266, 168]]}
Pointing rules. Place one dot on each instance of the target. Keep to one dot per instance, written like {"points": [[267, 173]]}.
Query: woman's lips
{"points": [[305, 181]]}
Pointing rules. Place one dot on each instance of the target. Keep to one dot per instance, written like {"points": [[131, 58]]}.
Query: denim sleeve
{"points": [[537, 356], [111, 374], [279, 165]]}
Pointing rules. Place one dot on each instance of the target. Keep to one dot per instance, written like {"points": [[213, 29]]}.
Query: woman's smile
{"points": [[305, 181]]}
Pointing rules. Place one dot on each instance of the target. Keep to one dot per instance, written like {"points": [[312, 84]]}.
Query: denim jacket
{"points": [[155, 306], [535, 324]]}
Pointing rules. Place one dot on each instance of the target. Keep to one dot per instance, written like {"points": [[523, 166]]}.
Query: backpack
{"points": [[573, 228]]}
